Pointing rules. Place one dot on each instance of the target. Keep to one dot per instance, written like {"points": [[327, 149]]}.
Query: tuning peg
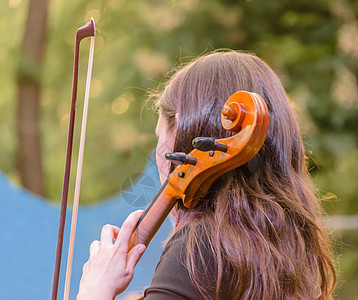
{"points": [[208, 144], [180, 158]]}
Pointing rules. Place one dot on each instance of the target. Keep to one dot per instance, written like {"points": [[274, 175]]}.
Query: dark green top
{"points": [[171, 278]]}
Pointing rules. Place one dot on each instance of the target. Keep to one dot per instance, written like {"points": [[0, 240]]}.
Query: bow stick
{"points": [[83, 32]]}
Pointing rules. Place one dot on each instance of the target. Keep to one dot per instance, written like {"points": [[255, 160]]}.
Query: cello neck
{"points": [[155, 214]]}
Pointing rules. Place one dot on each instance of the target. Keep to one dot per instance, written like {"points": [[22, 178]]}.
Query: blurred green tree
{"points": [[29, 151]]}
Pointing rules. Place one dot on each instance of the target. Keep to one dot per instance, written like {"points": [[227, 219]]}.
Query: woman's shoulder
{"points": [[171, 279], [177, 246], [176, 243]]}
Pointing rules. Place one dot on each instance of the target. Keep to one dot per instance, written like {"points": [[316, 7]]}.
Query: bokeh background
{"points": [[312, 46]]}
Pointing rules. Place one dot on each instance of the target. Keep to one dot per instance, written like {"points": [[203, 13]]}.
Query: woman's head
{"points": [[193, 99], [259, 225]]}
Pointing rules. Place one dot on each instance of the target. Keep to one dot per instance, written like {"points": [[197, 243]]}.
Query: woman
{"points": [[256, 235]]}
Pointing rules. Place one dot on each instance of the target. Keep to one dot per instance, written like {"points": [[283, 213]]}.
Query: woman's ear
{"points": [[175, 126]]}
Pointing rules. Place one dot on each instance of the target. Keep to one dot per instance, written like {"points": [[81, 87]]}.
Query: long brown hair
{"points": [[262, 229]]}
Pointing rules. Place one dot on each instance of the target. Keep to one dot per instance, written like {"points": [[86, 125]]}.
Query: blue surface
{"points": [[28, 234]]}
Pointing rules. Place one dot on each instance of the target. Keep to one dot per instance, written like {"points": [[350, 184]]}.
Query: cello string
{"points": [[151, 204], [79, 172]]}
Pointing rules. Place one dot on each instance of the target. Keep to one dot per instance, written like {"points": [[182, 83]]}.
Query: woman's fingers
{"points": [[134, 256], [109, 232], [110, 267], [123, 239]]}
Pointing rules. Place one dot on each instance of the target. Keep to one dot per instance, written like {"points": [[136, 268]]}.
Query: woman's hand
{"points": [[110, 267]]}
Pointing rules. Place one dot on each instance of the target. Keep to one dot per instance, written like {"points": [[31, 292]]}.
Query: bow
{"points": [[87, 30]]}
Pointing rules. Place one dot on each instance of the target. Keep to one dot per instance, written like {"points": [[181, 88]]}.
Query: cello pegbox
{"points": [[244, 113]]}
